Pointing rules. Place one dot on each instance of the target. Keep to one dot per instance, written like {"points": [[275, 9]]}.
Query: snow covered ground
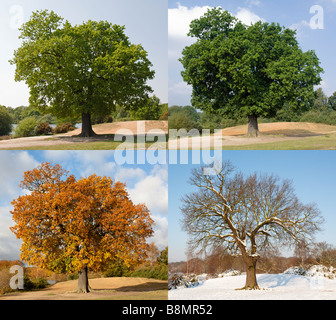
{"points": [[273, 287]]}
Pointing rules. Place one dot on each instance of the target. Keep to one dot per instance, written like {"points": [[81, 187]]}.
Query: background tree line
{"points": [[217, 261], [323, 110], [29, 121]]}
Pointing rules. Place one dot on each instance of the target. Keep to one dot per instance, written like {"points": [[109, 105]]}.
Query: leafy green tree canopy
{"points": [[80, 70], [238, 70]]}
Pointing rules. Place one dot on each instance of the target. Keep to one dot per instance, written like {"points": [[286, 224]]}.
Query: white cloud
{"points": [[179, 19], [247, 16], [300, 27], [124, 174], [12, 94], [180, 88], [12, 166], [327, 89], [9, 245], [85, 162], [152, 190], [160, 236]]}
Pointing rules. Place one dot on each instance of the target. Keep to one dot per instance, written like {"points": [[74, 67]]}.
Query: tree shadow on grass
{"points": [[272, 281], [294, 133], [120, 138], [143, 287]]}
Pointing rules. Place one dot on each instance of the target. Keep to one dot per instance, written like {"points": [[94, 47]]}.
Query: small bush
{"points": [[157, 272], [64, 127], [182, 121], [40, 283], [43, 128], [26, 127]]}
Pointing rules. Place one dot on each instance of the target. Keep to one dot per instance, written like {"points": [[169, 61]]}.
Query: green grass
{"points": [[323, 142], [94, 145]]}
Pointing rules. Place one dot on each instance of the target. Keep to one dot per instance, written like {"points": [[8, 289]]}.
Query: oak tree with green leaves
{"points": [[80, 70], [237, 70]]}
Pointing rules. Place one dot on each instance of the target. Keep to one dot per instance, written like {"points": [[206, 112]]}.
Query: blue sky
{"points": [[293, 14], [145, 22], [145, 184], [312, 172]]}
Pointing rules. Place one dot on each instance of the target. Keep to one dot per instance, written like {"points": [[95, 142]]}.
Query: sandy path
{"points": [[103, 288]]}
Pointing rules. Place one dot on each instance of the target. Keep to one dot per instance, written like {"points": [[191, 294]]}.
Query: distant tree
{"points": [[26, 127], [237, 70], [80, 70], [6, 121], [70, 225], [332, 101], [153, 253], [245, 214], [163, 258], [17, 114], [181, 121], [149, 110], [325, 254], [321, 100]]}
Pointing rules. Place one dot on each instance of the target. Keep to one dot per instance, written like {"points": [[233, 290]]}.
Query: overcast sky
{"points": [[145, 22], [294, 14], [145, 183]]}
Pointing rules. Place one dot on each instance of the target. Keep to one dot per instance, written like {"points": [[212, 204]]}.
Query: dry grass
{"points": [[103, 289]]}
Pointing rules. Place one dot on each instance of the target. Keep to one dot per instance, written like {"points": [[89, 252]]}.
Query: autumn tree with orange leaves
{"points": [[70, 225]]}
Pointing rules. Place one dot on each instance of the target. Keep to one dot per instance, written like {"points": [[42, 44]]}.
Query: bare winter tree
{"points": [[246, 214]]}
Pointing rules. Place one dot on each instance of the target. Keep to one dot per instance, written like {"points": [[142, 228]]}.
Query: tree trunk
{"points": [[252, 129], [251, 273], [86, 125], [83, 281]]}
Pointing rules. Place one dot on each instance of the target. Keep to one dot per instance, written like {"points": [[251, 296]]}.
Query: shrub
{"points": [[157, 272], [40, 283], [6, 122], [327, 116], [26, 127], [43, 128], [181, 121], [63, 127]]}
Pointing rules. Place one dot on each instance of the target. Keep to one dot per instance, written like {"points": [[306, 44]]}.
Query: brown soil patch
{"points": [[103, 288]]}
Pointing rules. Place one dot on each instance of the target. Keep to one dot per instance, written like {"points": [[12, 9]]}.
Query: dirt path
{"points": [[103, 289], [121, 128]]}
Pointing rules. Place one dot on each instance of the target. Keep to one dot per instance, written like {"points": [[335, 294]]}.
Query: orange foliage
{"points": [[68, 224]]}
